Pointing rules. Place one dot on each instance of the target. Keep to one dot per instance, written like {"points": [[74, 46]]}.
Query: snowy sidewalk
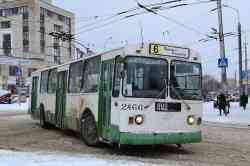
{"points": [[236, 116], [57, 159]]}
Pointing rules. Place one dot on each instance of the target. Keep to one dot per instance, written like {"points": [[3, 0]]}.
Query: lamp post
{"points": [[240, 46]]}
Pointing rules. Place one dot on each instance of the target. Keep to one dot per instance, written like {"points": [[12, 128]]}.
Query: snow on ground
{"points": [[59, 159], [14, 107], [237, 114]]}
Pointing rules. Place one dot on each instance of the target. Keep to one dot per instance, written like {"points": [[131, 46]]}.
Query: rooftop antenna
{"points": [[141, 31]]}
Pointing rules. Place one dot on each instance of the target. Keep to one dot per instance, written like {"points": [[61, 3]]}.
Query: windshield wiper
{"points": [[159, 96], [179, 96]]}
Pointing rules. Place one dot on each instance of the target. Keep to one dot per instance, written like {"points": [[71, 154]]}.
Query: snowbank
{"points": [[237, 114], [15, 107], [57, 159]]}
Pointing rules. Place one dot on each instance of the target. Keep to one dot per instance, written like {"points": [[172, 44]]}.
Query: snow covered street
{"points": [[59, 159], [237, 115], [24, 142]]}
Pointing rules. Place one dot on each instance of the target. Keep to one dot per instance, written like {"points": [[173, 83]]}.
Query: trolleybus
{"points": [[134, 95]]}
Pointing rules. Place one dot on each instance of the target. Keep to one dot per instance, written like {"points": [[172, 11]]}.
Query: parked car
{"points": [[235, 98], [5, 97]]}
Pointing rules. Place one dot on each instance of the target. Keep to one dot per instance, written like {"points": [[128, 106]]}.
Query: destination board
{"points": [[166, 50]]}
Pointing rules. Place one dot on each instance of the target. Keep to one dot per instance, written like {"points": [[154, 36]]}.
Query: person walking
{"points": [[244, 100], [221, 99], [228, 105]]}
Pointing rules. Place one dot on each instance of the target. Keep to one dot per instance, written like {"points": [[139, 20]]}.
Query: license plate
{"points": [[167, 107]]}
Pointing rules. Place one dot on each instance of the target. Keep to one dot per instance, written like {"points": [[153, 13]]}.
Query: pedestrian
{"points": [[228, 105], [221, 100], [243, 100]]}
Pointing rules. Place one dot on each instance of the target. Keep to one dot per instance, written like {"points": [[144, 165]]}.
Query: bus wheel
{"points": [[89, 130], [42, 118]]}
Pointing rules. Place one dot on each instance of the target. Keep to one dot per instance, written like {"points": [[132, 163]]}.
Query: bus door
{"points": [[61, 98], [34, 94], [105, 97]]}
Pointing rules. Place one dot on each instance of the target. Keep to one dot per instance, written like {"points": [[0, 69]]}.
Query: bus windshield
{"points": [[185, 79], [145, 77]]}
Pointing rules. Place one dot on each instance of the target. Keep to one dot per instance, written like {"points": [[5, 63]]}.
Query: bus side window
{"points": [[52, 81], [91, 75], [75, 77], [117, 79], [44, 82]]}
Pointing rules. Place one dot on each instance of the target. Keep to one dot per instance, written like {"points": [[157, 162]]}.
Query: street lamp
{"points": [[106, 41], [240, 46]]}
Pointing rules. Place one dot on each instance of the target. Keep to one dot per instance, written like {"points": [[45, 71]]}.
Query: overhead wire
{"points": [[127, 11], [144, 12]]}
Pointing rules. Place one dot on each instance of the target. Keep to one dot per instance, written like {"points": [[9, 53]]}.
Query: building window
{"points": [[42, 46], [12, 70], [58, 28], [5, 24], [50, 13], [7, 44], [42, 30], [25, 35], [56, 45], [13, 11], [25, 30], [26, 15], [25, 45]]}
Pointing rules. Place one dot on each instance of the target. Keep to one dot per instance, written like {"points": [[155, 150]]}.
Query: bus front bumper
{"points": [[160, 139]]}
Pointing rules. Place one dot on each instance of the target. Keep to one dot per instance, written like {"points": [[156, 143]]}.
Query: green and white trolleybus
{"points": [[134, 95]]}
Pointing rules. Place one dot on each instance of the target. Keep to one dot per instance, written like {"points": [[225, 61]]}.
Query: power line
{"points": [[170, 19], [126, 12], [144, 12]]}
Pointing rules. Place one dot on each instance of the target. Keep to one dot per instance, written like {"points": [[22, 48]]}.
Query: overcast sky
{"points": [[195, 17]]}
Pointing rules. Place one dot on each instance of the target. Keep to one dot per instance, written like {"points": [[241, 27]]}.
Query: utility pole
{"points": [[246, 65], [235, 79], [222, 43], [240, 57]]}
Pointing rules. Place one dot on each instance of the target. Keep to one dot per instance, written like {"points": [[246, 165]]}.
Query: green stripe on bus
{"points": [[166, 138]]}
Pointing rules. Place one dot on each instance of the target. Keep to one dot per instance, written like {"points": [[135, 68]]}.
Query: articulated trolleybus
{"points": [[132, 95]]}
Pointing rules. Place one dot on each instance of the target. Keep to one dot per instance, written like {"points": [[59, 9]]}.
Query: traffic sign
{"points": [[223, 62], [18, 72]]}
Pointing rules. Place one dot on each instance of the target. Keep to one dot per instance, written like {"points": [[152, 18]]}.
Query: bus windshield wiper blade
{"points": [[159, 96], [179, 96]]}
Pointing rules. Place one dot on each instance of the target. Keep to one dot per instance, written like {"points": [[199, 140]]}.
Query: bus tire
{"points": [[88, 130], [43, 122]]}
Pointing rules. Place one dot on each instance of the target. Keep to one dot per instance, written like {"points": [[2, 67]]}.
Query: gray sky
{"points": [[197, 17]]}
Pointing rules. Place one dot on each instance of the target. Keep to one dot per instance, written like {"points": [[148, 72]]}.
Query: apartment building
{"points": [[25, 42]]}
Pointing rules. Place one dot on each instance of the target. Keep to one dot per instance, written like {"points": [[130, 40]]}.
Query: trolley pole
{"points": [[222, 43]]}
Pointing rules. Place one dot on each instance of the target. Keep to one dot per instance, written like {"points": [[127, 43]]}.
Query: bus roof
{"points": [[147, 49]]}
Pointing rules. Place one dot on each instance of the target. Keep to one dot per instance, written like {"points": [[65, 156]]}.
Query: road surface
{"points": [[222, 145]]}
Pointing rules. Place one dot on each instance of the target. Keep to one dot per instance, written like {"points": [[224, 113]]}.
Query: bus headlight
{"points": [[190, 119], [139, 119]]}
